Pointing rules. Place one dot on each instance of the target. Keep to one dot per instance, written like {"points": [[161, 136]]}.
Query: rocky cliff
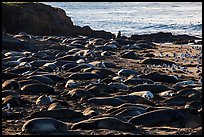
{"points": [[40, 19]]}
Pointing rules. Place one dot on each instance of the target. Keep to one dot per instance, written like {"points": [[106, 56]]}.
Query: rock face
{"points": [[40, 19]]}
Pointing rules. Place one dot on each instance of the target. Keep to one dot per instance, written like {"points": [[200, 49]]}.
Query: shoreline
{"points": [[144, 23]]}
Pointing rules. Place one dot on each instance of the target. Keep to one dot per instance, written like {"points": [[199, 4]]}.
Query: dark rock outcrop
{"points": [[40, 19], [164, 37]]}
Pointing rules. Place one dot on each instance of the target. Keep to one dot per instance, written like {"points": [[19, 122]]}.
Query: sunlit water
{"points": [[136, 17]]}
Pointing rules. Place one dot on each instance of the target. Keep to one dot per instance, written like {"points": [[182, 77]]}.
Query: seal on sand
{"points": [[84, 76], [154, 88], [64, 113], [135, 99], [37, 88], [44, 125], [42, 79], [172, 117], [159, 77], [156, 117], [106, 101], [157, 61], [10, 84], [99, 89], [104, 123], [145, 94]]}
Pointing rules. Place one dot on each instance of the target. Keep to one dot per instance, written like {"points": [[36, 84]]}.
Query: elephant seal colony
{"points": [[91, 86]]}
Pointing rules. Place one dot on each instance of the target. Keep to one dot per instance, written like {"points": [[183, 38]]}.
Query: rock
{"points": [[24, 17], [163, 37]]}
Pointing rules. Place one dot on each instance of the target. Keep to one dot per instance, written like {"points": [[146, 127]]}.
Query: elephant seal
{"points": [[177, 100], [140, 107], [153, 118], [71, 84], [159, 77], [36, 89], [44, 125], [154, 88], [44, 100], [90, 111], [136, 81], [181, 84], [64, 113], [10, 99], [42, 79], [194, 105], [10, 92], [11, 84], [135, 99], [55, 105], [78, 93], [103, 72], [144, 94], [8, 75], [130, 55], [104, 123], [157, 61], [19, 70], [84, 76], [127, 112], [127, 72], [28, 81], [118, 86], [106, 101], [99, 89], [168, 117]]}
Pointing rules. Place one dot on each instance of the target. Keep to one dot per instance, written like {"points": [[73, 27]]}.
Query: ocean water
{"points": [[136, 17]]}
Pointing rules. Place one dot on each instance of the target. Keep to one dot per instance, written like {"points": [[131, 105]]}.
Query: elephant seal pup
{"points": [[44, 125], [104, 123], [145, 94], [44, 100]]}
